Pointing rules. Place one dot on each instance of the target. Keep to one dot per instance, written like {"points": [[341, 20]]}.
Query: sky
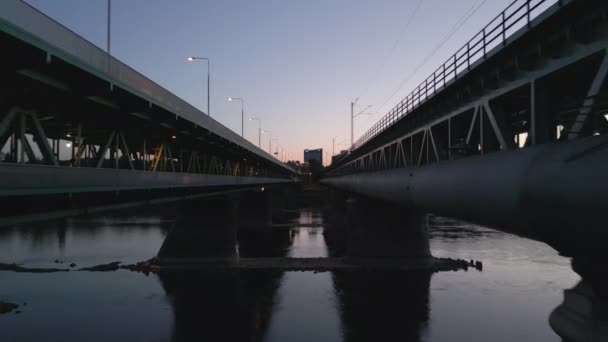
{"points": [[297, 63]]}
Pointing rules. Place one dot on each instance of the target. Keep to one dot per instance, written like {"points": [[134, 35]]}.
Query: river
{"points": [[522, 281]]}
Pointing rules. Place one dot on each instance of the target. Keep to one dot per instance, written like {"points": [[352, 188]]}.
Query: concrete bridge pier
{"points": [[255, 209], [335, 215], [377, 229], [583, 315], [260, 208], [202, 229], [283, 201]]}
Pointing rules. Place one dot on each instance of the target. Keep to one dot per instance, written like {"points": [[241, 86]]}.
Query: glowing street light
{"points": [[192, 59], [230, 99]]}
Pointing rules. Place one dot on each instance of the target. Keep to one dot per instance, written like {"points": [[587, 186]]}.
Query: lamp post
{"points": [[109, 31], [242, 112], [352, 119], [259, 130], [192, 59], [333, 146]]}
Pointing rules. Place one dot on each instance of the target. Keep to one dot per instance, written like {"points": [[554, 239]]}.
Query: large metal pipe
{"points": [[545, 190]]}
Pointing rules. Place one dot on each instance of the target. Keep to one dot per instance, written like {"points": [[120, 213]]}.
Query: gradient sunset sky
{"points": [[297, 63]]}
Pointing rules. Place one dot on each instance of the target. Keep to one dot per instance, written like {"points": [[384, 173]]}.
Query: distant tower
{"points": [[314, 155]]}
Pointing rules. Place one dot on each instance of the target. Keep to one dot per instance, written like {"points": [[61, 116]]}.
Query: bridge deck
{"points": [[500, 91], [68, 103], [19, 180]]}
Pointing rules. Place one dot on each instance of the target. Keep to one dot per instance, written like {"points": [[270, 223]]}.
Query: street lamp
{"points": [[192, 59], [242, 112], [259, 130], [109, 26], [352, 119]]}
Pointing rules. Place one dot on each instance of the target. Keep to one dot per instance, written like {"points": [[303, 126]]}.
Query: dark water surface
{"points": [[510, 300]]}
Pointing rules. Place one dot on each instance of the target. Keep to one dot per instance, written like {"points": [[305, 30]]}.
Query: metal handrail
{"points": [[476, 49]]}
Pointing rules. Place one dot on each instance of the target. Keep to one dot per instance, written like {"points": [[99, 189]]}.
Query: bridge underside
{"points": [[510, 133], [20, 180], [80, 129], [545, 83], [64, 102], [556, 193]]}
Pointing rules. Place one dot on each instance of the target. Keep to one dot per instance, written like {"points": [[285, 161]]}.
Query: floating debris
{"points": [[279, 264], [113, 266], [6, 307], [17, 268]]}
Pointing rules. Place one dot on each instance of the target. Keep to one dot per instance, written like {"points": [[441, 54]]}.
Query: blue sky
{"points": [[298, 64]]}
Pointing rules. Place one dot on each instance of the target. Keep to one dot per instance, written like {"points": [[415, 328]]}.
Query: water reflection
{"points": [[266, 243], [221, 306], [86, 240], [583, 315], [307, 243], [378, 306], [522, 283], [306, 309]]}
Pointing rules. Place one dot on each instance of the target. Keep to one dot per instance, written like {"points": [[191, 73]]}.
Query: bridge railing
{"points": [[496, 33]]}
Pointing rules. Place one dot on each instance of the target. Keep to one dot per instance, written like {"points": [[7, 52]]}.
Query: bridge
{"points": [[78, 124], [508, 133]]}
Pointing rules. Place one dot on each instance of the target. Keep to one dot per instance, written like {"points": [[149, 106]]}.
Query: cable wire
{"points": [[426, 59], [403, 32]]}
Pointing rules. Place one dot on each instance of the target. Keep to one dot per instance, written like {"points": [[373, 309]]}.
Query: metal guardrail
{"points": [[44, 32], [519, 14]]}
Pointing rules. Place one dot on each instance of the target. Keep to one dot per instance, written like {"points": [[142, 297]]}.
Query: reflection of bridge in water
{"points": [[240, 305]]}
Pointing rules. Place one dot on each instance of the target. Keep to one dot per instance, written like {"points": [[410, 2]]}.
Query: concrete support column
{"points": [[255, 210], [260, 208], [583, 315], [203, 229], [335, 215], [280, 200], [377, 229]]}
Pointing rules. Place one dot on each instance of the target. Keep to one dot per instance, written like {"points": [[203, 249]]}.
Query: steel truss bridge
{"points": [[509, 132], [75, 120], [81, 131]]}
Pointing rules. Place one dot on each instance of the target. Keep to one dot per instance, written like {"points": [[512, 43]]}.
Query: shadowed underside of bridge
{"points": [[75, 120], [508, 133]]}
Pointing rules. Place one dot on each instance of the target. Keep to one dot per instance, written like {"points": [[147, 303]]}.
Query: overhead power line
{"points": [[401, 35], [468, 14]]}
